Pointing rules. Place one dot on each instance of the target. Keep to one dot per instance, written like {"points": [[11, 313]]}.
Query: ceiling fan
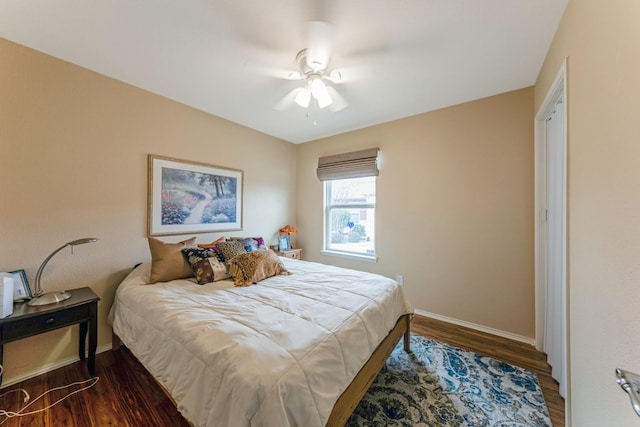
{"points": [[313, 64]]}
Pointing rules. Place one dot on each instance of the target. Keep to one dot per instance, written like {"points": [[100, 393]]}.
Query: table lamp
{"points": [[288, 230], [41, 298]]}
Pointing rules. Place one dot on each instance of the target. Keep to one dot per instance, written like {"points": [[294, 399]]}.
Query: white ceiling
{"points": [[397, 57]]}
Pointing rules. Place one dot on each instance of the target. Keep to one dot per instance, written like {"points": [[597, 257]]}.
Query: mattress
{"points": [[277, 353]]}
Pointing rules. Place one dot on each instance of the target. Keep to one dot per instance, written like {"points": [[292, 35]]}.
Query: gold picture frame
{"points": [[190, 197]]}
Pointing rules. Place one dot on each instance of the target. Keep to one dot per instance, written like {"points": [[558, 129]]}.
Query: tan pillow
{"points": [[252, 267], [167, 261]]}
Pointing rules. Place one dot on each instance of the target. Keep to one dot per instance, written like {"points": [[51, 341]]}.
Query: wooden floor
{"points": [[126, 395]]}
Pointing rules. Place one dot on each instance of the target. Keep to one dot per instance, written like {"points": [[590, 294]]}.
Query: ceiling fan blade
{"points": [[339, 103], [318, 45], [288, 100], [279, 73], [335, 77]]}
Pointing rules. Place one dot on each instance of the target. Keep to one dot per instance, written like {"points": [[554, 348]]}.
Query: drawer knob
{"points": [[49, 320]]}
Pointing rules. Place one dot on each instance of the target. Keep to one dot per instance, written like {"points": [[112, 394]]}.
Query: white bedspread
{"points": [[277, 353]]}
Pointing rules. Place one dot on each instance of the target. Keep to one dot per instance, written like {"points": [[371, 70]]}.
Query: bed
{"points": [[291, 350]]}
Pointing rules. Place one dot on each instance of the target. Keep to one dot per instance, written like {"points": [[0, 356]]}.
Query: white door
{"points": [[555, 314]]}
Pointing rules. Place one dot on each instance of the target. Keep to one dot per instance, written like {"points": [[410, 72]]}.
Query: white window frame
{"points": [[359, 256]]}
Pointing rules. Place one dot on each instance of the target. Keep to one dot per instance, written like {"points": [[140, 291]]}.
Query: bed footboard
{"points": [[350, 398]]}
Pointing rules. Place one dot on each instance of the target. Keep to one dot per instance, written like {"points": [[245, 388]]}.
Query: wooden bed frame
{"points": [[350, 398]]}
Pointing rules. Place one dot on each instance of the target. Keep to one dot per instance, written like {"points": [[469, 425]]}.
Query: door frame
{"points": [[558, 89]]}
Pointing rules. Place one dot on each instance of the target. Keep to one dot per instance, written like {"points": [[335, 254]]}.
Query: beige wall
{"points": [[601, 41], [73, 163], [454, 210]]}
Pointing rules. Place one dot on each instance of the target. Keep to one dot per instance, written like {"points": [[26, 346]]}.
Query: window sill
{"points": [[355, 257]]}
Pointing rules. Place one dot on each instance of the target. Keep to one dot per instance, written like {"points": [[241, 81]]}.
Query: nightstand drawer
{"points": [[44, 322], [291, 253]]}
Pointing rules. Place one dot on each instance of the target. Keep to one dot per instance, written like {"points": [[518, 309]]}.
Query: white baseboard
{"points": [[477, 327], [50, 367]]}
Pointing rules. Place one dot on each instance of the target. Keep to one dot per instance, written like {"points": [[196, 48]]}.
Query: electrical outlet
{"points": [[400, 279]]}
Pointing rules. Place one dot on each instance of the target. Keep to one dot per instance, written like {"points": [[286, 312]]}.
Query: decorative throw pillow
{"points": [[206, 265], [212, 244], [252, 243], [255, 266], [230, 249], [167, 261]]}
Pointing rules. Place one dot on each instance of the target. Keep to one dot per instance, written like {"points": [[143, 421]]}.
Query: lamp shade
{"points": [[288, 229], [320, 93], [303, 97], [318, 88]]}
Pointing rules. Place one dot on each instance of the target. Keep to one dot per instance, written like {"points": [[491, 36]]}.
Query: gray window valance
{"points": [[348, 165]]}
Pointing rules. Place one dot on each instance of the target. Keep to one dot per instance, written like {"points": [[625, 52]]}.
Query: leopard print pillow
{"points": [[230, 249], [252, 267]]}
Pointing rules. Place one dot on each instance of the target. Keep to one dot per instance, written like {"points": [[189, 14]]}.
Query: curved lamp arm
{"points": [[38, 290], [630, 383]]}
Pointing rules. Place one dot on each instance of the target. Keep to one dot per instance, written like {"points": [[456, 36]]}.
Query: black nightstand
{"points": [[81, 308]]}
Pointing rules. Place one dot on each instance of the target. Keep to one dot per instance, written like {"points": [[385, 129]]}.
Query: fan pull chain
{"points": [[314, 120]]}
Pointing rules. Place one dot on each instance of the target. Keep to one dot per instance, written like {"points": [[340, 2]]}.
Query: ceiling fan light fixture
{"points": [[303, 97], [324, 100], [319, 92], [313, 65], [318, 88]]}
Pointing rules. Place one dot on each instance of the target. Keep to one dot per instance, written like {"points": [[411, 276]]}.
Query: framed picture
{"points": [[21, 289], [284, 244], [189, 197]]}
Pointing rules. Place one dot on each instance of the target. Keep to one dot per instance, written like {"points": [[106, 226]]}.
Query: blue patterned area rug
{"points": [[441, 385]]}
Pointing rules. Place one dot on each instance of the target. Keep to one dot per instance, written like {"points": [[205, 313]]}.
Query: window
{"points": [[350, 203], [350, 216]]}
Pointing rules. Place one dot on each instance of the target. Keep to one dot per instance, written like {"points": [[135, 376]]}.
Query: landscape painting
{"points": [[189, 197]]}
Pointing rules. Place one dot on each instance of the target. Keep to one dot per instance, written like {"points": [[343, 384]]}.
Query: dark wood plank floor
{"points": [[126, 395]]}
